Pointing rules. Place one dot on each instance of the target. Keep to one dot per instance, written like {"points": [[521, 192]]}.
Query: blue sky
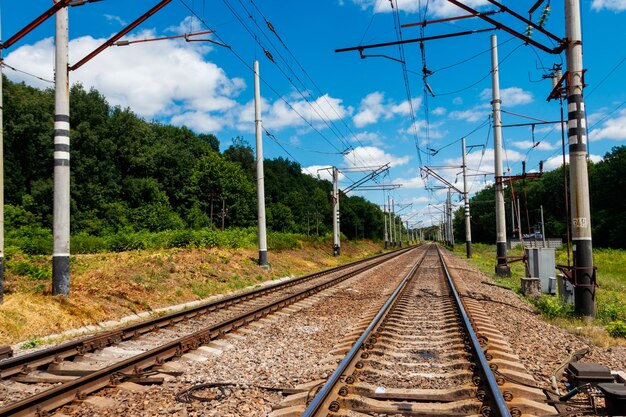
{"points": [[324, 108]]}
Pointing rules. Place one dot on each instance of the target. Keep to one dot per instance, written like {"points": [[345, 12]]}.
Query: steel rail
{"points": [[56, 397], [16, 365], [323, 398], [499, 407]]}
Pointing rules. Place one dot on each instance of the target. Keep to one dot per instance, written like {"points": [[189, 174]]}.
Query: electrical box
{"points": [[566, 289], [542, 265]]}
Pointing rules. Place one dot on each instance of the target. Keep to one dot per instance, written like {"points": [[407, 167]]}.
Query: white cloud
{"points": [[115, 19], [374, 107], [410, 183], [474, 114], [557, 161], [153, 79], [280, 115], [371, 138], [457, 100], [198, 121], [528, 144], [614, 129], [512, 96], [436, 7], [439, 111], [614, 5], [372, 156]]}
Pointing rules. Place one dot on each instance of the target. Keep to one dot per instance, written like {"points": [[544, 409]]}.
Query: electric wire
{"points": [[463, 61], [606, 77], [398, 30], [299, 147], [4, 64], [302, 87], [318, 89], [270, 86], [313, 104], [482, 78]]}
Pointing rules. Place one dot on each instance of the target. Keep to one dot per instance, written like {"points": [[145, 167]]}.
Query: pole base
{"points": [[336, 250], [503, 270], [386, 245], [61, 275], [263, 259]]}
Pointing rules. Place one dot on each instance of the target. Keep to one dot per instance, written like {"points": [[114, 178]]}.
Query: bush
{"points": [[33, 272], [611, 309], [552, 307], [33, 240], [85, 243], [616, 328]]}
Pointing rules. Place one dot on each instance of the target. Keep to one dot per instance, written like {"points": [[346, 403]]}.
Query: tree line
{"points": [[129, 174], [607, 180]]}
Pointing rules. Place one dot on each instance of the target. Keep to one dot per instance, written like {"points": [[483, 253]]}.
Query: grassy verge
{"points": [[609, 328], [111, 285]]}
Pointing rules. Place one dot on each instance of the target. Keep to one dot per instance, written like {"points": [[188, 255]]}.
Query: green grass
{"points": [[610, 294]]}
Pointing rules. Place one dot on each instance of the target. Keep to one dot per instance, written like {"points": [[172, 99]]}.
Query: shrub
{"points": [[85, 243], [616, 328], [552, 307], [33, 272], [33, 240]]}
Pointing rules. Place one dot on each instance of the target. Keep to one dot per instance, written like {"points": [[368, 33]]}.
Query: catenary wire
{"points": [[270, 86]]}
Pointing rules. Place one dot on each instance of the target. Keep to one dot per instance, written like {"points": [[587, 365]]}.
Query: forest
{"points": [[607, 182], [130, 175]]}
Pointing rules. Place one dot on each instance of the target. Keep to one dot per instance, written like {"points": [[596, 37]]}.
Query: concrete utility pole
{"points": [[335, 199], [502, 269], [468, 226], [390, 225], [385, 221], [584, 277], [392, 219], [450, 225], [408, 234], [61, 210], [1, 179], [260, 180], [399, 231], [543, 229]]}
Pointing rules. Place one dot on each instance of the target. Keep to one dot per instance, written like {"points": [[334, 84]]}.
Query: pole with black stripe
{"points": [[584, 277], [61, 210]]}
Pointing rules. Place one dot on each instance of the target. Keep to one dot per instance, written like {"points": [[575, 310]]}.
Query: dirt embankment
{"points": [[114, 285]]}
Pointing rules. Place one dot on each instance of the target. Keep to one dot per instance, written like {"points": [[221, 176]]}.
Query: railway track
{"points": [[429, 351], [71, 371]]}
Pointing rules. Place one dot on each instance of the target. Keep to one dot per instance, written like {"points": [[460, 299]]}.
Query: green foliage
{"points": [[140, 185], [616, 328], [31, 270], [608, 227], [552, 307], [31, 343], [33, 240], [610, 307]]}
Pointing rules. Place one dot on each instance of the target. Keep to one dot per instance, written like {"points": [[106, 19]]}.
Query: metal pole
{"points": [[61, 210], [450, 217], [584, 277], [260, 180], [468, 226], [502, 269], [336, 243], [1, 179]]}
